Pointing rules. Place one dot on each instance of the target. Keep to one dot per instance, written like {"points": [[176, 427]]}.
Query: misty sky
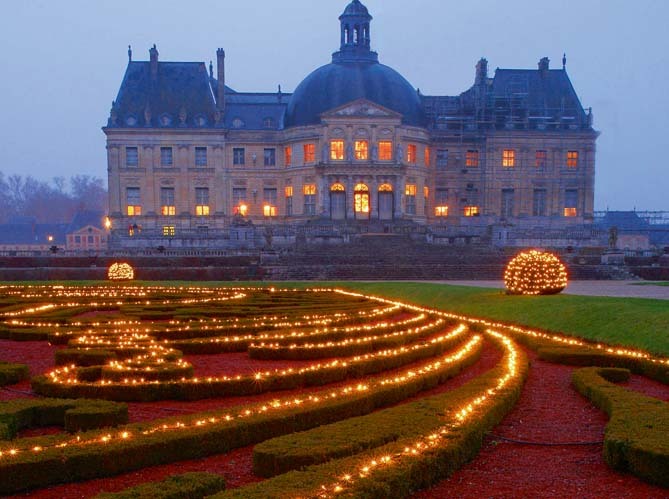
{"points": [[62, 63]]}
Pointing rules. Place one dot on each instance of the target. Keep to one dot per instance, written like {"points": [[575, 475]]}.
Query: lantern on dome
{"points": [[535, 273], [120, 272]]}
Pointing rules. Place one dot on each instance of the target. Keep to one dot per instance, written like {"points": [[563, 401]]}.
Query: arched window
{"points": [[361, 201], [347, 35], [337, 188], [361, 188], [356, 35], [385, 188]]}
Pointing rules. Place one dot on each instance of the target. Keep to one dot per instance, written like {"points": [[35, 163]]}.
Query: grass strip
{"points": [[636, 435]]}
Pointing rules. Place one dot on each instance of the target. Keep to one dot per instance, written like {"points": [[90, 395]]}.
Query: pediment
{"points": [[361, 108]]}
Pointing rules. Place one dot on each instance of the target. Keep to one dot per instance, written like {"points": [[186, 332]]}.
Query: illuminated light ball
{"points": [[120, 272], [535, 273]]}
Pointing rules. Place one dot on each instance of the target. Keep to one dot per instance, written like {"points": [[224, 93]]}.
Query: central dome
{"points": [[354, 73]]}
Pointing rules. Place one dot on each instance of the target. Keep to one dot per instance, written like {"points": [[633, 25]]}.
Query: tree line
{"points": [[50, 201]]}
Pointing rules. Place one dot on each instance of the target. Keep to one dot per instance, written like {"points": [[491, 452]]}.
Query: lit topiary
{"points": [[120, 272], [535, 273]]}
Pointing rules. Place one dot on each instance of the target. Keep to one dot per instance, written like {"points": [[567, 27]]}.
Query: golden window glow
{"points": [[572, 159], [134, 211], [337, 188], [269, 210], [441, 211], [471, 211], [472, 159], [385, 150], [168, 210], [411, 154], [361, 150], [509, 158], [570, 212], [337, 150], [428, 155], [426, 192], [202, 210], [309, 189], [169, 230], [242, 210], [385, 188], [535, 273], [361, 188], [540, 159], [288, 155], [410, 190], [288, 191], [361, 198], [309, 153]]}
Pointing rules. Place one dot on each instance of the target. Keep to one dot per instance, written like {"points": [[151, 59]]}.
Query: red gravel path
{"points": [[549, 410]]}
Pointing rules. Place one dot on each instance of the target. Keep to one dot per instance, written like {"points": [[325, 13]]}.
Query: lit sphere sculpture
{"points": [[535, 273], [120, 272]]}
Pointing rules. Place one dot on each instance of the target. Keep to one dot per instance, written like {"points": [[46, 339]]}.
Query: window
{"points": [[269, 156], [411, 154], [269, 201], [540, 158], [167, 206], [166, 158], [131, 157], [428, 154], [268, 123], [509, 158], [288, 155], [539, 203], [200, 156], [472, 158], [202, 201], [309, 153], [239, 201], [288, 191], [169, 230], [471, 211], [507, 203], [238, 156], [336, 150], [572, 159], [385, 150], [361, 150], [410, 193], [90, 239], [77, 239], [309, 191], [442, 158], [361, 199], [570, 203], [134, 205], [441, 202]]}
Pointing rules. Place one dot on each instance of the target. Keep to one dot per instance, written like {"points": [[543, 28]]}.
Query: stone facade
{"points": [[189, 157]]}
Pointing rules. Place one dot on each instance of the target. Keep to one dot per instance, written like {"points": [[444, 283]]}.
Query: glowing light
{"points": [[120, 272], [535, 273]]}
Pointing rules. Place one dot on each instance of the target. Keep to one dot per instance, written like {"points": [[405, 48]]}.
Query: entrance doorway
{"points": [[361, 202], [386, 202], [337, 202]]}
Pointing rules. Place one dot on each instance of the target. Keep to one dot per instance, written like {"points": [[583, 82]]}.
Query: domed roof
{"points": [[355, 8], [339, 83]]}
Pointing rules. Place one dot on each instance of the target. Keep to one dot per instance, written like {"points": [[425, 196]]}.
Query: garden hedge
{"points": [[186, 486], [13, 373], [637, 435]]}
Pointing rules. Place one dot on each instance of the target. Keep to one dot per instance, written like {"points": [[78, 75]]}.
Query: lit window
{"points": [[167, 205], [472, 159], [540, 159], [133, 202], [288, 191], [131, 157], [269, 157], [426, 192], [202, 201], [337, 150], [166, 158], [570, 212], [337, 188], [269, 211], [309, 153], [239, 201], [385, 188], [509, 158], [241, 209], [361, 150], [441, 211], [361, 198], [309, 191], [200, 156], [385, 150], [169, 230], [270, 199], [288, 155], [238, 156], [471, 211], [410, 197], [411, 154], [572, 159], [570, 203], [428, 154], [442, 158]]}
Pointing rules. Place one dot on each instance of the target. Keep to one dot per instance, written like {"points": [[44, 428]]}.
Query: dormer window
{"points": [[268, 123], [165, 120], [237, 123], [131, 120]]}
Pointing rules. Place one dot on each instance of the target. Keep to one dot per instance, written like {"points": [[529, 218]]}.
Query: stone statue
{"points": [[613, 237]]}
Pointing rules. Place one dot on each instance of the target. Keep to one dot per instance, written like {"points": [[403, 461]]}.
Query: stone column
{"points": [[350, 198]]}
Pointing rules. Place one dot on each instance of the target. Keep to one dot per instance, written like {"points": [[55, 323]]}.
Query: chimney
{"points": [[220, 90], [544, 65], [153, 55], [481, 71]]}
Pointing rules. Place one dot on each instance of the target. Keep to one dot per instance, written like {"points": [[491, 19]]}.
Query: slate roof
{"points": [[84, 218], [28, 233], [623, 220]]}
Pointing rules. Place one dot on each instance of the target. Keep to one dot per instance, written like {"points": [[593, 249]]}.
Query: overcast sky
{"points": [[62, 63]]}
